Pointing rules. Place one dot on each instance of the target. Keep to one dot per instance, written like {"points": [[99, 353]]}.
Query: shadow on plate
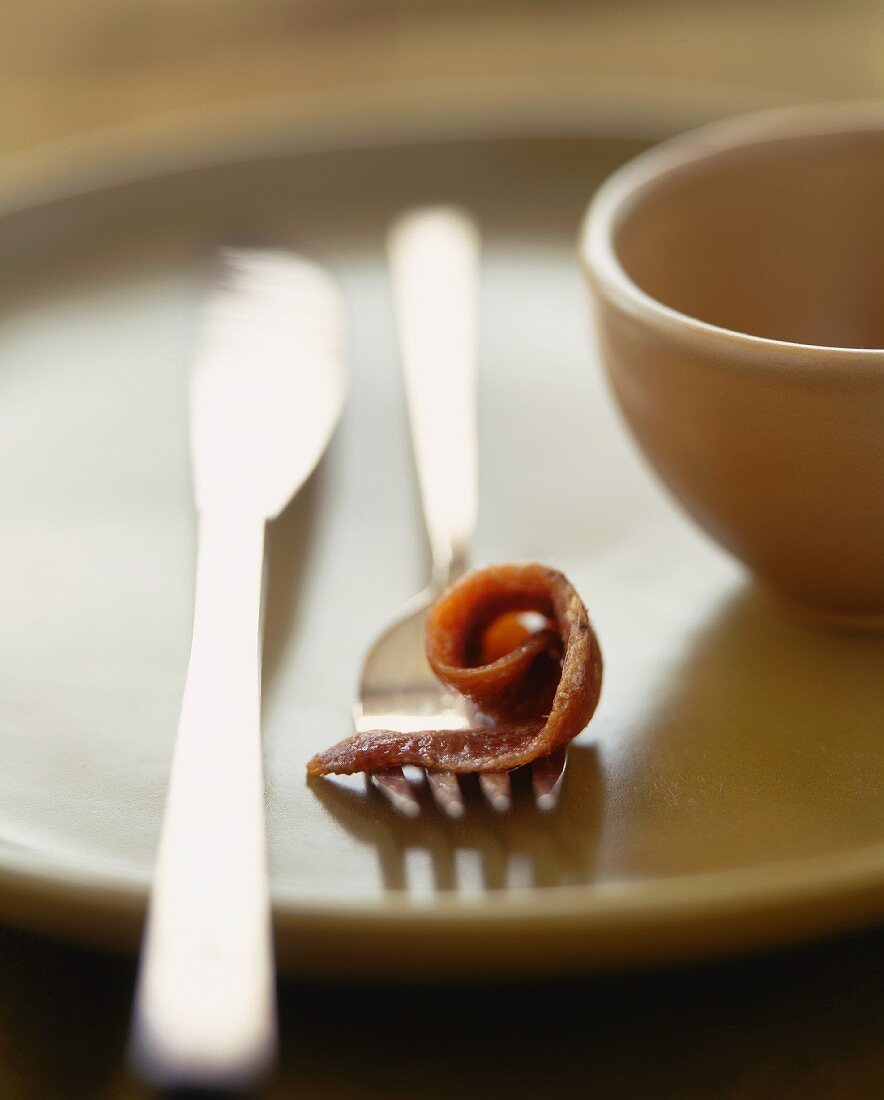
{"points": [[289, 546], [761, 743], [484, 850]]}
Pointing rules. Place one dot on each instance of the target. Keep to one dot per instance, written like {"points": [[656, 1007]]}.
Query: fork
{"points": [[434, 263], [266, 392]]}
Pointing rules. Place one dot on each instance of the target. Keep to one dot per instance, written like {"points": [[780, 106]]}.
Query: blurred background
{"points": [[386, 65]]}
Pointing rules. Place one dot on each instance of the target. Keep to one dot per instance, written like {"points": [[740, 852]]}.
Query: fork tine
{"points": [[546, 779], [397, 790], [496, 788], [446, 792]]}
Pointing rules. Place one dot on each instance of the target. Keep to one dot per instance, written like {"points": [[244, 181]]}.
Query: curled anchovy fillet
{"points": [[537, 689]]}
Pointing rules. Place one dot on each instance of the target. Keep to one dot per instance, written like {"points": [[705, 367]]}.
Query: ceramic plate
{"points": [[727, 793]]}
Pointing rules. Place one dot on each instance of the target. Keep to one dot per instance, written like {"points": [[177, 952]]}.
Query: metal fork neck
{"points": [[449, 567]]}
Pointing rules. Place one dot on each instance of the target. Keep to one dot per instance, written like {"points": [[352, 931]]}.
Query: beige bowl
{"points": [[738, 278]]}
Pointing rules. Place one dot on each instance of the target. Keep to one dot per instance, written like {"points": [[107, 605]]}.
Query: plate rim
{"points": [[667, 919], [499, 106]]}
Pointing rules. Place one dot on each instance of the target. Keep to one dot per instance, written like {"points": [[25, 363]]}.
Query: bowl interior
{"points": [[780, 238]]}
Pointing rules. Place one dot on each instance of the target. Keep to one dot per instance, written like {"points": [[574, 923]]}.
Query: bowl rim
{"points": [[621, 191]]}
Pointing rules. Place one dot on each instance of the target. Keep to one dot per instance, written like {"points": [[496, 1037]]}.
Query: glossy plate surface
{"points": [[728, 792]]}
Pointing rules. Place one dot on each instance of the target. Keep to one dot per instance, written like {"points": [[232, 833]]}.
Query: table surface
{"points": [[806, 1023], [655, 64]]}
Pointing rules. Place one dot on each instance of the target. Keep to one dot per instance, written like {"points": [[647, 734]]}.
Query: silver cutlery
{"points": [[434, 265], [266, 391]]}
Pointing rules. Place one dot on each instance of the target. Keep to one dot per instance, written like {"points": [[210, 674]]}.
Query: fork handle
{"points": [[434, 262], [204, 1015]]}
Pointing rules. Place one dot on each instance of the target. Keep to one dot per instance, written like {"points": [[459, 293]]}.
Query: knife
{"points": [[267, 389]]}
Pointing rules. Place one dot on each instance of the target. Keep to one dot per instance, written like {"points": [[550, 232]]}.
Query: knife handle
{"points": [[434, 263], [204, 1008]]}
